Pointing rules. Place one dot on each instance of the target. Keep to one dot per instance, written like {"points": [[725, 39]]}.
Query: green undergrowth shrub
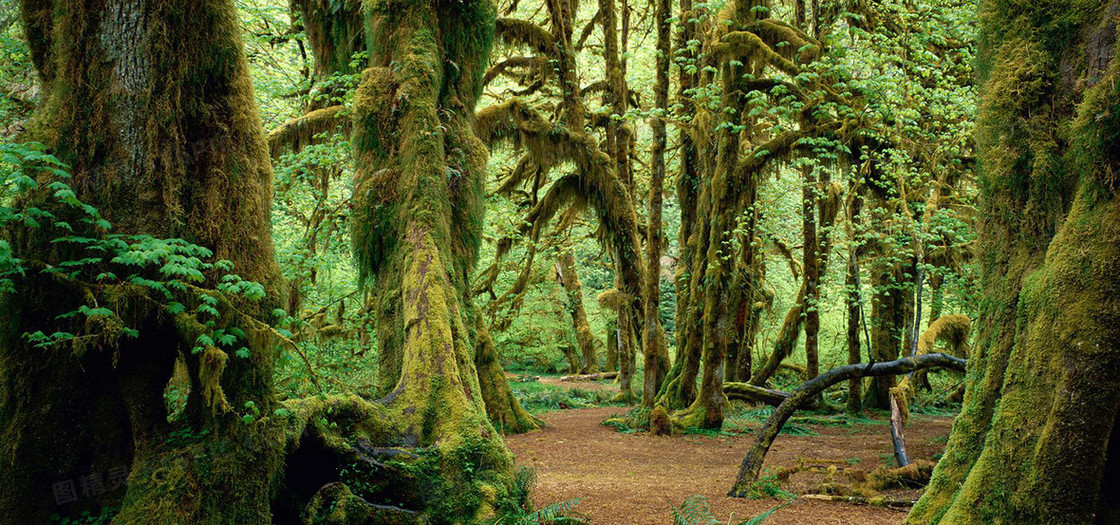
{"points": [[539, 398], [769, 486]]}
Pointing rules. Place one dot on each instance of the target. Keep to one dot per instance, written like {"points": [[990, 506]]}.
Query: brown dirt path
{"points": [[632, 479]]}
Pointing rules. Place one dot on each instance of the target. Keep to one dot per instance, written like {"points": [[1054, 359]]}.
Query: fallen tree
{"points": [[598, 376], [752, 463]]}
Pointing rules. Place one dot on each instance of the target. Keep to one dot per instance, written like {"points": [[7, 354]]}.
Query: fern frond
{"points": [[694, 511]]}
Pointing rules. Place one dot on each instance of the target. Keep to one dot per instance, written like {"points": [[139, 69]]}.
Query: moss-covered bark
{"points": [[853, 301], [653, 341], [889, 314], [566, 268], [1032, 443], [679, 389], [417, 229], [810, 264], [152, 107]]}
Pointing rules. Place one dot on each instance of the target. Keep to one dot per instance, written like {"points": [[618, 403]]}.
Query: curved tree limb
{"points": [[751, 393], [752, 463]]}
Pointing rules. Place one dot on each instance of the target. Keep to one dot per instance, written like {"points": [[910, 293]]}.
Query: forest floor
{"points": [[636, 479]]}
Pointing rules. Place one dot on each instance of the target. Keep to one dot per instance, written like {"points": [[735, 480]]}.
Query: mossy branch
{"points": [[752, 463]]}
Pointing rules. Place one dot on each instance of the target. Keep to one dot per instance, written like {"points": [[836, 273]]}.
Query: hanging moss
{"points": [[420, 190]]}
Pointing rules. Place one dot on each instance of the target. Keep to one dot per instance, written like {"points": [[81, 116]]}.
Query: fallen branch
{"points": [[879, 501], [752, 463], [590, 377], [756, 394]]}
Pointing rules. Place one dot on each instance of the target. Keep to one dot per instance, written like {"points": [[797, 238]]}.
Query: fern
{"points": [[697, 511], [694, 511], [559, 513]]}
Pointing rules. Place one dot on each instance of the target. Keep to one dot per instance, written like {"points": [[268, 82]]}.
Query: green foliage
{"points": [[695, 510], [121, 278], [539, 398]]}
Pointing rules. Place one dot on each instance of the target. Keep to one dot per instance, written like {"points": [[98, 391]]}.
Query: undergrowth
{"points": [[695, 510], [539, 398]]}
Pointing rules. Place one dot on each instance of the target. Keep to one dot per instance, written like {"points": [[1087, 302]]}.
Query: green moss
{"points": [[1029, 445]]}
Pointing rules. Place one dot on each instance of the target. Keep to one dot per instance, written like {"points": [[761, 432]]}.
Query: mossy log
{"points": [[598, 376], [754, 394], [752, 462]]}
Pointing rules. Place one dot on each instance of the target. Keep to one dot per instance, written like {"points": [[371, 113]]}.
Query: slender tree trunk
{"points": [[679, 391], [618, 147], [566, 268], [937, 294], [1034, 440], [854, 301], [811, 268], [612, 348], [653, 340]]}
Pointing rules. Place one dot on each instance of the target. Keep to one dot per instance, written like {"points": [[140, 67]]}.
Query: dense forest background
{"points": [[906, 73], [694, 204]]}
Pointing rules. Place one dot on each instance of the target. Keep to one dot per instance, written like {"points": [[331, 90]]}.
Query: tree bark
{"points": [[417, 223], [652, 338], [1043, 382], [566, 269], [810, 264], [151, 106]]}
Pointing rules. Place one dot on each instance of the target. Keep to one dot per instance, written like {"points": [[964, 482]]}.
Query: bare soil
{"points": [[636, 479]]}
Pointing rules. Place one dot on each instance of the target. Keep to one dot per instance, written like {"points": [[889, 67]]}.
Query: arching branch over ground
{"points": [[752, 463]]}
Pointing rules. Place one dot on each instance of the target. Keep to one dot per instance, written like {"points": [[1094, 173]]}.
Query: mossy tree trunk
{"points": [[889, 308], [418, 219], [566, 269], [335, 31], [679, 389], [419, 213], [653, 341], [810, 264], [1033, 442], [617, 136], [152, 107], [853, 299]]}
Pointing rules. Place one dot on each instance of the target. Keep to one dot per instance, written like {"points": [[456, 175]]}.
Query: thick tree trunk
{"points": [[1032, 442], [504, 410], [152, 107], [418, 221], [888, 322]]}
